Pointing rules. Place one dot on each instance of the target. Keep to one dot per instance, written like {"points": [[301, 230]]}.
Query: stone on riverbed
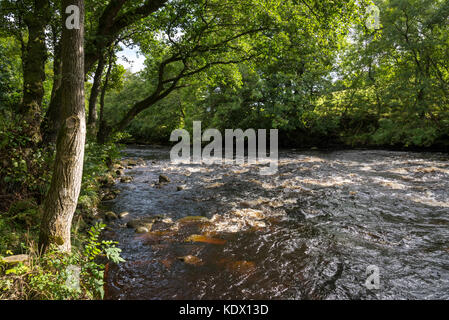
{"points": [[123, 214], [107, 181], [126, 179], [192, 260], [142, 230], [242, 267], [146, 222], [205, 239], [193, 219], [163, 179], [109, 196], [215, 185], [249, 213], [110, 216]]}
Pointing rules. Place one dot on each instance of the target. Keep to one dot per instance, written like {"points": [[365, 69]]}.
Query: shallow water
{"points": [[308, 232]]}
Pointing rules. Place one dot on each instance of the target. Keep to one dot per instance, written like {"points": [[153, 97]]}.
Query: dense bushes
{"points": [[25, 178], [58, 276]]}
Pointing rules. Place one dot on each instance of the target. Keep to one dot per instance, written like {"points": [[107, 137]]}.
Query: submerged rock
{"points": [[126, 179], [192, 260], [249, 213], [109, 196], [205, 239], [110, 216], [163, 179], [242, 266], [142, 230], [107, 180], [123, 214], [146, 222], [193, 219], [215, 185]]}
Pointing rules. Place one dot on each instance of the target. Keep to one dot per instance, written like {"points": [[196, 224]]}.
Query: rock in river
{"points": [[192, 260], [126, 179], [110, 216], [163, 179], [142, 230], [123, 214]]}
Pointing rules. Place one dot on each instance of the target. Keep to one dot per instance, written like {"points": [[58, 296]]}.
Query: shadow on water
{"points": [[308, 232]]}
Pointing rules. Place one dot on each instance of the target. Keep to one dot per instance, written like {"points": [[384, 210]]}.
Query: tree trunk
{"points": [[104, 130], [92, 118], [52, 120], [34, 70], [60, 203]]}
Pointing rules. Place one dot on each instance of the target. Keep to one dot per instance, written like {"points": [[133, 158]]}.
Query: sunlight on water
{"points": [[307, 232]]}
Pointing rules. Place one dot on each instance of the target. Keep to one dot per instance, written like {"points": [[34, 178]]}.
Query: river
{"points": [[308, 232]]}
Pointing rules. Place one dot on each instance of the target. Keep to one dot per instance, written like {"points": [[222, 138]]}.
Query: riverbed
{"points": [[308, 232]]}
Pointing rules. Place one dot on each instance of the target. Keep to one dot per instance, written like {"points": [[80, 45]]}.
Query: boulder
{"points": [[145, 222], [109, 196], [205, 239], [123, 214], [163, 179], [107, 180], [193, 219], [142, 230], [192, 260], [126, 179], [110, 216]]}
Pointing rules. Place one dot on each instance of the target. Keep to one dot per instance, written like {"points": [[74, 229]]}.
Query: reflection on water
{"points": [[308, 232]]}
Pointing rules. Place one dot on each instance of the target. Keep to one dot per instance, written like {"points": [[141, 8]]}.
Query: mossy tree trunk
{"points": [[33, 61], [61, 200]]}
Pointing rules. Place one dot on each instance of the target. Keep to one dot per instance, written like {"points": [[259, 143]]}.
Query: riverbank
{"points": [[24, 273]]}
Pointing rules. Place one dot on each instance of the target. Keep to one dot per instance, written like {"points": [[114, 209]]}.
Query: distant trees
{"points": [[398, 76], [315, 82], [27, 22]]}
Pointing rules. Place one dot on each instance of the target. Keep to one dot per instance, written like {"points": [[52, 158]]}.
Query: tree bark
{"points": [[103, 131], [61, 200], [92, 118], [52, 120], [33, 60]]}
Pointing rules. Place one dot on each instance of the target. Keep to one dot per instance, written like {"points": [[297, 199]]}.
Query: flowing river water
{"points": [[308, 232]]}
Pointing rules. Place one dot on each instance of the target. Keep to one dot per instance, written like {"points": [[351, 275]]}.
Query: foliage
{"points": [[311, 69], [51, 276]]}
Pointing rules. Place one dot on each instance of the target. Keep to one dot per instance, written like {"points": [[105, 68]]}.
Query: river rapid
{"points": [[308, 232]]}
